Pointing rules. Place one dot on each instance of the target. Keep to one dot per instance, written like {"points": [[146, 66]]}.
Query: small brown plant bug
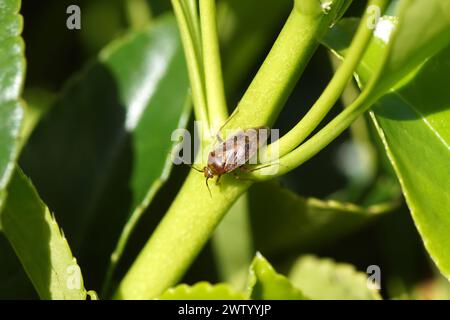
{"points": [[233, 153]]}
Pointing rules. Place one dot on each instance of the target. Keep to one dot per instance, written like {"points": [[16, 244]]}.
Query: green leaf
{"points": [[38, 242], [431, 20], [413, 125], [412, 122], [396, 36], [12, 75], [283, 220], [265, 284], [202, 291], [108, 139], [323, 279]]}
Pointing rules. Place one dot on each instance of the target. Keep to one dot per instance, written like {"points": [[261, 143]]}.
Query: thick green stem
{"points": [[275, 80], [194, 215], [180, 236]]}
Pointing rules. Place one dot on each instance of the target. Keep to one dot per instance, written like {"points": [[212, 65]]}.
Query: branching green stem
{"points": [[370, 94], [193, 215], [290, 54], [333, 91]]}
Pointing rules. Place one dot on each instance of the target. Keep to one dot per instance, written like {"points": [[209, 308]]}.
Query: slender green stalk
{"points": [[333, 91], [123, 239], [321, 139], [191, 12], [194, 215], [193, 58], [359, 130], [215, 93], [192, 8]]}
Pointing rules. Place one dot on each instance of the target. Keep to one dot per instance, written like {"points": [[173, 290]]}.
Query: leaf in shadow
{"points": [[103, 149], [282, 220], [14, 283]]}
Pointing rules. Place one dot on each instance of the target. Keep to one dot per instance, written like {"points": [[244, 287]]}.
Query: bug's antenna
{"points": [[207, 185], [229, 118]]}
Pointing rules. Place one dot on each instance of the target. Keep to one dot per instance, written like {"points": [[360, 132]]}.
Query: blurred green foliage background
{"points": [[55, 54]]}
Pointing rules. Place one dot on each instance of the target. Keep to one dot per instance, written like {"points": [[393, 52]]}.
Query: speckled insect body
{"points": [[237, 150]]}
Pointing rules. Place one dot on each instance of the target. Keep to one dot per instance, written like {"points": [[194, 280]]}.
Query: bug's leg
{"points": [[238, 177], [207, 186], [218, 178], [248, 170]]}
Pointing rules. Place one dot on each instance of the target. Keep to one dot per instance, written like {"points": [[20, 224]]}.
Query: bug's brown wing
{"points": [[241, 147], [257, 138], [233, 150]]}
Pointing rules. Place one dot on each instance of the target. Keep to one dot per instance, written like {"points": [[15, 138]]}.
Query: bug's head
{"points": [[207, 171]]}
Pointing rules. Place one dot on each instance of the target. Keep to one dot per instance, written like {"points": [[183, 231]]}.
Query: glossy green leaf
{"points": [[38, 242], [283, 220], [12, 75], [266, 284], [413, 124], [431, 20], [107, 140], [323, 279], [202, 291]]}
